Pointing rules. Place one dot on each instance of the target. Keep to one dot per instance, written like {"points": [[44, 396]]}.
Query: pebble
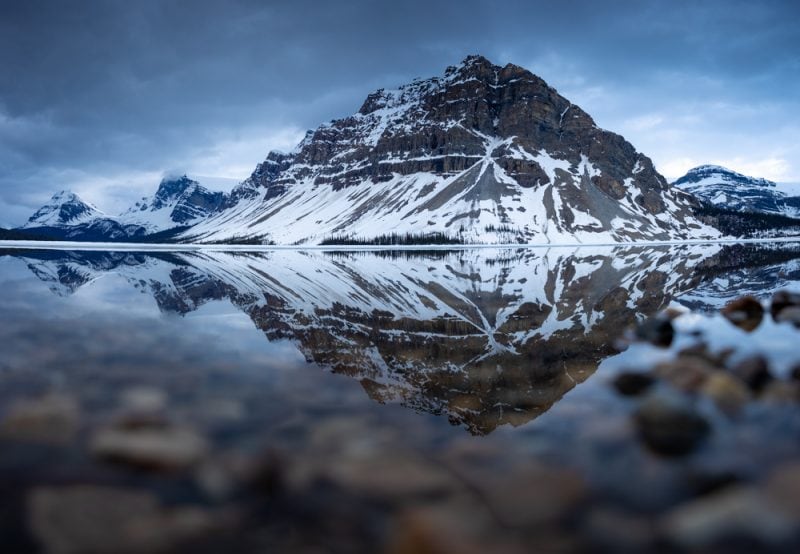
{"points": [[159, 448], [745, 312], [753, 371], [632, 383], [670, 426], [85, 519], [657, 331], [789, 315], [687, 374], [728, 393], [733, 514], [783, 299], [53, 418]]}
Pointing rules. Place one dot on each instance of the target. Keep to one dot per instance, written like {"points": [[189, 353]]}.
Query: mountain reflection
{"points": [[488, 336]]}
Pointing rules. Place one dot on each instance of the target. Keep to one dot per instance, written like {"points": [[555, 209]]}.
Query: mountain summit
{"points": [[730, 190], [482, 154]]}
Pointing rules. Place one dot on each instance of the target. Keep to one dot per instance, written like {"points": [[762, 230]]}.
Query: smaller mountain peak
{"points": [[171, 187]]}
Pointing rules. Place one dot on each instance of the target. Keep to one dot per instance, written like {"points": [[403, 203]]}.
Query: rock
{"points": [[780, 392], [88, 519], [687, 374], [167, 448], [53, 418], [701, 352], [783, 299], [617, 531], [728, 393], [631, 383], [782, 487], [789, 315], [745, 312], [657, 331], [670, 426], [734, 514], [144, 400], [753, 371]]}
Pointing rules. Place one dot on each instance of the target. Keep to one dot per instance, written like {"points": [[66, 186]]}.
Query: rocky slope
{"points": [[730, 190], [483, 154]]}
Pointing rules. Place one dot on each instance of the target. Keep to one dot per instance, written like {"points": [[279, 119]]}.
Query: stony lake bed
{"points": [[619, 399]]}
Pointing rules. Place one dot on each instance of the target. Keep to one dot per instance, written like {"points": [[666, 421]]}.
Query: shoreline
{"points": [[167, 247]]}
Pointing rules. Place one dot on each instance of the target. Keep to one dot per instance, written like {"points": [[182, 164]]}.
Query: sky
{"points": [[104, 97]]}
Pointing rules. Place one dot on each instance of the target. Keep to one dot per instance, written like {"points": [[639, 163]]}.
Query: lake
{"points": [[498, 399]]}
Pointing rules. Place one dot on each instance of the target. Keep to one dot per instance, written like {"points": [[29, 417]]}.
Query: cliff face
{"points": [[484, 153]]}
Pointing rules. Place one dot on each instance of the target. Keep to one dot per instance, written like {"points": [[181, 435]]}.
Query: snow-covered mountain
{"points": [[64, 208], [68, 216], [178, 202], [482, 154], [730, 190]]}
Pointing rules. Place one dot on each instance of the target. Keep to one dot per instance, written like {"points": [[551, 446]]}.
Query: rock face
{"points": [[487, 154], [733, 191], [178, 202]]}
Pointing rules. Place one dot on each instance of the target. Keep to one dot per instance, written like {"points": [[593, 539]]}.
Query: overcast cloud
{"points": [[104, 97]]}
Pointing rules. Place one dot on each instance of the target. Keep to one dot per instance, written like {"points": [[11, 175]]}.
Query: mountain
{"points": [[179, 202], [730, 190], [482, 154], [68, 217]]}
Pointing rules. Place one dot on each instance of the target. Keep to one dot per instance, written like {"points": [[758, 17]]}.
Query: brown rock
{"points": [[780, 392], [657, 331], [783, 299], [753, 371], [53, 418], [728, 393], [733, 514], [632, 383], [790, 314], [160, 448], [96, 520], [669, 426], [687, 374], [745, 312]]}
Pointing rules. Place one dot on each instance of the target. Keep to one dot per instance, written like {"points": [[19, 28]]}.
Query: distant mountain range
{"points": [[482, 154], [178, 203], [733, 191]]}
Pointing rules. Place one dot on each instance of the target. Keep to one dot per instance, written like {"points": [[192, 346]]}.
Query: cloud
{"points": [[106, 96]]}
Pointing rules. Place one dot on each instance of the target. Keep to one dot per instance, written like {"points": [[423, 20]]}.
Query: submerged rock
{"points": [[53, 418], [745, 312], [727, 392], [89, 519], [753, 371], [670, 426], [167, 448], [632, 383], [727, 517]]}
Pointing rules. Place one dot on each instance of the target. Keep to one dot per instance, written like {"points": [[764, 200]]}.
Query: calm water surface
{"points": [[363, 402]]}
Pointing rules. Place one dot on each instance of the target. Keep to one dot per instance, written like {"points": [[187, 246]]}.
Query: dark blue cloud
{"points": [[98, 93]]}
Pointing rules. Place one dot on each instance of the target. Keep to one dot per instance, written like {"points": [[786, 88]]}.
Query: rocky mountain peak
{"points": [[171, 188], [713, 174], [64, 208]]}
